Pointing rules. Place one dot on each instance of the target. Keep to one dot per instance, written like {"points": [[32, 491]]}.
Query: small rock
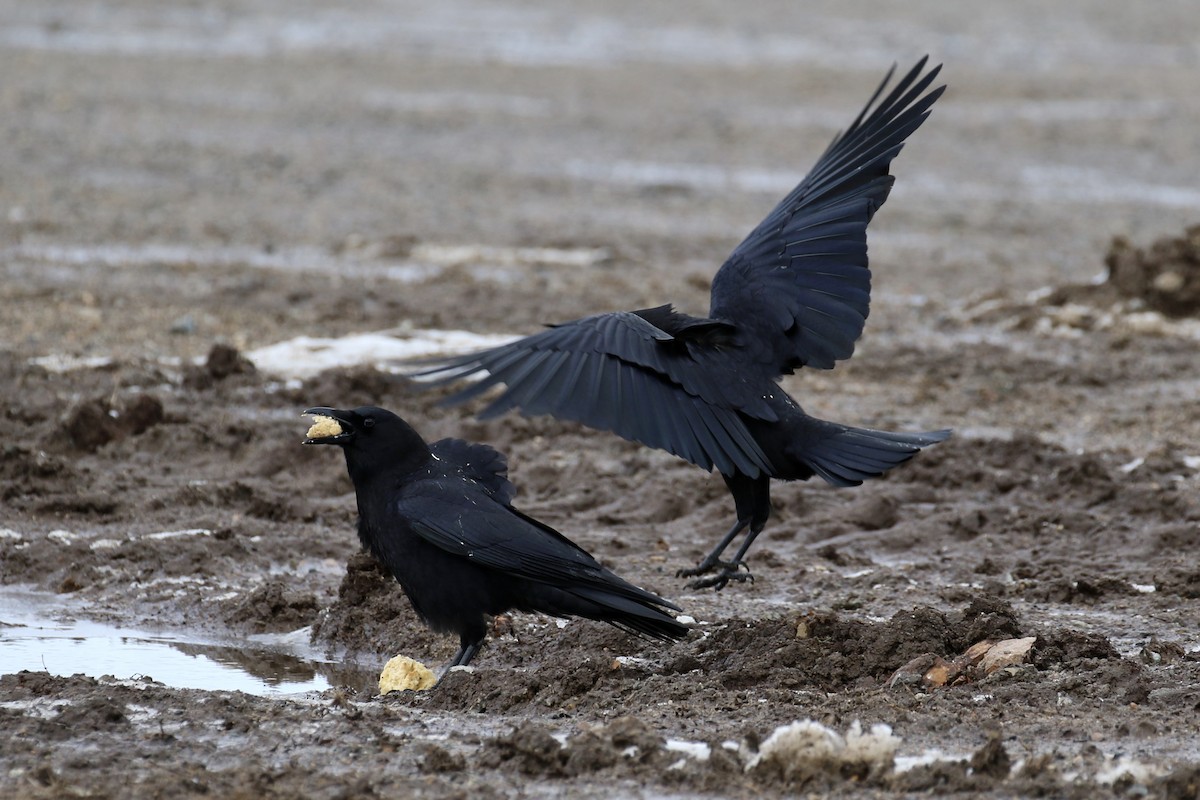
{"points": [[1006, 654]]}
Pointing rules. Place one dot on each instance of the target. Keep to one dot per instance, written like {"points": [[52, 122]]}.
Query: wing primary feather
{"points": [[541, 387], [517, 379]]}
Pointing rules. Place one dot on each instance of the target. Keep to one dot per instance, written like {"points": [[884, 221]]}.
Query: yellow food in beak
{"points": [[324, 426]]}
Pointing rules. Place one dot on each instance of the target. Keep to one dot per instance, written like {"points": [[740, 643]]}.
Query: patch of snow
{"points": [[179, 533], [305, 356], [697, 750]]}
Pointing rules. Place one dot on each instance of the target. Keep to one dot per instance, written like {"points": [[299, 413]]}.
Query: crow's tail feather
{"points": [[634, 615], [848, 456], [625, 606]]}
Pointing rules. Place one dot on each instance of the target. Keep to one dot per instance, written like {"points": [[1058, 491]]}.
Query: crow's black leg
{"points": [[462, 658], [466, 653], [713, 561], [752, 498]]}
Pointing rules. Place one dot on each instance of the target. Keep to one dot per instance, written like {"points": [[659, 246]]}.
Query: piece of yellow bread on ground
{"points": [[403, 673]]}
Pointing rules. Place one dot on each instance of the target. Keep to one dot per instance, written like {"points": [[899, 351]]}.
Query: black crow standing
{"points": [[795, 293], [438, 516]]}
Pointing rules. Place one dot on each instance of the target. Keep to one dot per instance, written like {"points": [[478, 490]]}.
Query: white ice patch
{"points": [[1130, 466], [305, 356], [697, 750], [179, 533], [365, 259], [106, 544], [933, 756], [633, 661], [1059, 182], [38, 707], [1121, 766], [455, 255], [64, 363]]}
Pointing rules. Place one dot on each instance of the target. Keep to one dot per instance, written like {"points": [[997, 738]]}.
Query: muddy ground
{"points": [[181, 185]]}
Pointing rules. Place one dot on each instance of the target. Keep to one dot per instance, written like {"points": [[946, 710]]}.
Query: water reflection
{"points": [[68, 647]]}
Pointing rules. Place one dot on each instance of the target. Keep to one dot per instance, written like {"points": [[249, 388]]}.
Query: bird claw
{"points": [[722, 578], [726, 571], [706, 566]]}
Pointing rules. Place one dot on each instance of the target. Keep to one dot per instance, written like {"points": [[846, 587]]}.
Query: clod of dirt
{"points": [[988, 766], [874, 512], [1166, 277], [94, 423], [89, 425], [223, 360], [986, 617], [806, 750], [273, 607], [372, 615], [440, 760], [991, 760], [533, 750], [355, 386], [1157, 652], [833, 652], [1182, 581], [1066, 646]]}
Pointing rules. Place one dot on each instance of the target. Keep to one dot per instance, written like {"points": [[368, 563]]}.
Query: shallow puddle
{"points": [[36, 636]]}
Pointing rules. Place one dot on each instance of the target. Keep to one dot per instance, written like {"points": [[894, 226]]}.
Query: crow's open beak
{"points": [[330, 426]]}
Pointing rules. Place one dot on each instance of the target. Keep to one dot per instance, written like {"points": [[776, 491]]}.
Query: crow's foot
{"points": [[726, 571], [722, 578]]}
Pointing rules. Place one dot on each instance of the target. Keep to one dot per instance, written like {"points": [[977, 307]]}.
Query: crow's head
{"points": [[373, 438]]}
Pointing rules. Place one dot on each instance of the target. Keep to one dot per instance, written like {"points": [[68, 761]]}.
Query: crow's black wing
{"points": [[503, 539], [479, 462], [621, 373], [798, 288]]}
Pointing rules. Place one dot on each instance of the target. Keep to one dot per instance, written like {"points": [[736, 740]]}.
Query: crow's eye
{"points": [[369, 422]]}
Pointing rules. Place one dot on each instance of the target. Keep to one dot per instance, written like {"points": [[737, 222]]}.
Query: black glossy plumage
{"points": [[438, 516], [794, 293]]}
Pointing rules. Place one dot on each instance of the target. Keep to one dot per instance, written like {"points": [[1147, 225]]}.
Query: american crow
{"points": [[438, 516], [795, 293]]}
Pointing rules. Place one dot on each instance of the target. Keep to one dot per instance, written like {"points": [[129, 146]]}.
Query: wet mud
{"points": [[1015, 613]]}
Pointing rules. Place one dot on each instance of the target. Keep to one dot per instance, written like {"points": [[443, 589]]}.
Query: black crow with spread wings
{"points": [[439, 517], [794, 294]]}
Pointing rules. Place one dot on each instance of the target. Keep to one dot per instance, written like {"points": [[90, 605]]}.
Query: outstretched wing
{"points": [[501, 538], [485, 465], [798, 288], [619, 372]]}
